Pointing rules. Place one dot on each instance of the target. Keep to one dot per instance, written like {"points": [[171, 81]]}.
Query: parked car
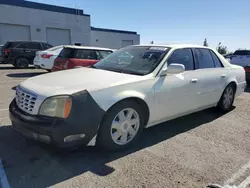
{"points": [[45, 59], [1, 59], [242, 58], [79, 56], [110, 103], [22, 53]]}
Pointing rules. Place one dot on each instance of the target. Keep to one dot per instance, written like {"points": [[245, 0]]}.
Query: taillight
{"points": [[46, 56], [6, 51]]}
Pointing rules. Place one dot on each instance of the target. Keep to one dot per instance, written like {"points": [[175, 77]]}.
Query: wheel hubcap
{"points": [[228, 97], [125, 126]]}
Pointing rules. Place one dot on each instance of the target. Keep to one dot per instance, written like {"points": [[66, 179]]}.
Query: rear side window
{"points": [[34, 45], [184, 57], [22, 45], [86, 54], [204, 58], [78, 54], [46, 46], [217, 61], [66, 53], [104, 53]]}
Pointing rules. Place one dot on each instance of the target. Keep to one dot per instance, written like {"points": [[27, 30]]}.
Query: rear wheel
{"points": [[21, 63], [227, 98], [121, 127]]}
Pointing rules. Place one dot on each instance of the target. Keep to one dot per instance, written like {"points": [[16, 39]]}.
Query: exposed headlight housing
{"points": [[58, 106]]}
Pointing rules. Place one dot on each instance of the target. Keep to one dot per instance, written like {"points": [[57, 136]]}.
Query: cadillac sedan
{"points": [[110, 103]]}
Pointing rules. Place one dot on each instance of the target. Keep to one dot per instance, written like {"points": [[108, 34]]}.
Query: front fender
{"points": [[107, 99]]}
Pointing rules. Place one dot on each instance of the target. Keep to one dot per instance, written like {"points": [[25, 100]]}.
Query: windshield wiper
{"points": [[122, 71]]}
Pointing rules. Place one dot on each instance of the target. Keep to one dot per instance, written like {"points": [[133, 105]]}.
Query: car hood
{"points": [[75, 80]]}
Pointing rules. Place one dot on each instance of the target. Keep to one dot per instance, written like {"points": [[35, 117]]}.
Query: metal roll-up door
{"points": [[57, 36]]}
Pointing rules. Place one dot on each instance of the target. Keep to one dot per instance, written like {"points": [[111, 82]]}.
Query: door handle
{"points": [[194, 80], [223, 76]]}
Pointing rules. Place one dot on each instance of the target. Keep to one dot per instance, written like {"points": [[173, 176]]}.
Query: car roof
{"points": [[174, 45], [24, 41], [87, 47]]}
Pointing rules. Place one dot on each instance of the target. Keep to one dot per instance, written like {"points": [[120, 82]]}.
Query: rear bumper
{"points": [[78, 129], [240, 88], [10, 60]]}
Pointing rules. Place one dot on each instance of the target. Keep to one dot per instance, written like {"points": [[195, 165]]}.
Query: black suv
{"points": [[22, 53]]}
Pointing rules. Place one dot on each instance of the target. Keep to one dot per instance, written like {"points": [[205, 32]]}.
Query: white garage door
{"points": [[13, 32], [127, 43], [58, 36]]}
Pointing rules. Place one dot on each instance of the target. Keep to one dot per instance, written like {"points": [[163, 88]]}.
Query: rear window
{"points": [[22, 45], [78, 54]]}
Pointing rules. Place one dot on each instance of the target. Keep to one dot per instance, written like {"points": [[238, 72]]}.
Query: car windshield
{"points": [[139, 60]]}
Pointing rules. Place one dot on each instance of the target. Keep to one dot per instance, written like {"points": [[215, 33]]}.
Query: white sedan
{"points": [[136, 87], [45, 59]]}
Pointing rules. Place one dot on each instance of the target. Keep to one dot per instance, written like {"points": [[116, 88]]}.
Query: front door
{"points": [[176, 94]]}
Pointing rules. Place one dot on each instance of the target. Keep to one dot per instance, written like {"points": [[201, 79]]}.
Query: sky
{"points": [[172, 21]]}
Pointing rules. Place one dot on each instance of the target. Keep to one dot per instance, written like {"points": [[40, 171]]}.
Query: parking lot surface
{"points": [[192, 151]]}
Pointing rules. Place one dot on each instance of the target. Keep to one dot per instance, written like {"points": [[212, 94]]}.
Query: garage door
{"points": [[127, 43], [58, 36], [13, 32]]}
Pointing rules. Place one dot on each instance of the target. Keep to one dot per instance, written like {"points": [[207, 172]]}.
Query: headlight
{"points": [[59, 106]]}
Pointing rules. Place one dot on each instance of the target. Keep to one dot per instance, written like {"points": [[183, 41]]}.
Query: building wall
{"points": [[112, 39], [40, 20]]}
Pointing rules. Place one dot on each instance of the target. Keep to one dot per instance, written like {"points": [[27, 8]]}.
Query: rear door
{"points": [[211, 76], [32, 48], [19, 50]]}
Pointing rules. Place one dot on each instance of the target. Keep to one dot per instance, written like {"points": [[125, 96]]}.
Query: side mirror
{"points": [[172, 69]]}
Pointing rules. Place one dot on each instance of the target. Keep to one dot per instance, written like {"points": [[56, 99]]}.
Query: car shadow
{"points": [[10, 67], [24, 75], [30, 164]]}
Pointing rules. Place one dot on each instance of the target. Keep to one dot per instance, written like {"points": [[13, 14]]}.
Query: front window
{"points": [[139, 60]]}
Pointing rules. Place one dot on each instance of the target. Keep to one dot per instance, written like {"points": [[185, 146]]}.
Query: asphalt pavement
{"points": [[192, 151]]}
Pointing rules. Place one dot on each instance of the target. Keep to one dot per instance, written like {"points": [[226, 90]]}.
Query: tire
{"points": [[106, 141], [21, 63], [227, 99]]}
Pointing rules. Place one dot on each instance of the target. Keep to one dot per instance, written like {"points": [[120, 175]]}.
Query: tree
{"points": [[152, 42], [205, 42], [222, 49]]}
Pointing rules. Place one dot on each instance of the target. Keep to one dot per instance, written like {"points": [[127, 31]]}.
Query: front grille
{"points": [[25, 100]]}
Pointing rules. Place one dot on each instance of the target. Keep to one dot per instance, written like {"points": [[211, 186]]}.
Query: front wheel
{"points": [[121, 127], [227, 98]]}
